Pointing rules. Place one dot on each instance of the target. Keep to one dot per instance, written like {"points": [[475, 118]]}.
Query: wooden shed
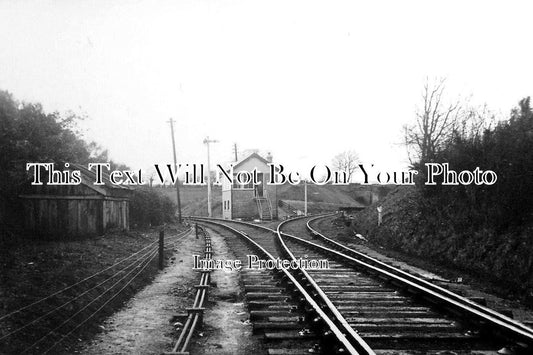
{"points": [[76, 210]]}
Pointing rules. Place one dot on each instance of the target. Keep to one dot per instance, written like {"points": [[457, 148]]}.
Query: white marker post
{"points": [[380, 209]]}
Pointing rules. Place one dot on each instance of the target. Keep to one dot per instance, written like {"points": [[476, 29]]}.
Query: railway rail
{"points": [[365, 306], [195, 313]]}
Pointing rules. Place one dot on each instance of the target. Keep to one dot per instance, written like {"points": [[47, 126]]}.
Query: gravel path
{"points": [[144, 325]]}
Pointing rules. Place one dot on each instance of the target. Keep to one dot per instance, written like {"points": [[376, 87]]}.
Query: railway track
{"points": [[374, 307], [280, 308]]}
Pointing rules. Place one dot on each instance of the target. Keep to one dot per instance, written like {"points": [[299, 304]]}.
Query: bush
{"points": [[508, 150], [148, 207]]}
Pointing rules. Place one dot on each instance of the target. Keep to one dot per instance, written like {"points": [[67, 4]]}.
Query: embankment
{"points": [[413, 226]]}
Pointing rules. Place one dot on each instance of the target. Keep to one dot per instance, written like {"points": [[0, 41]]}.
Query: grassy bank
{"points": [[439, 234]]}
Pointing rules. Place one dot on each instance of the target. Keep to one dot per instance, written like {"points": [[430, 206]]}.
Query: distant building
{"points": [[250, 201], [77, 210]]}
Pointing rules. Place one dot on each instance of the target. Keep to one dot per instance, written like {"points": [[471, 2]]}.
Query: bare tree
{"points": [[346, 161], [435, 123], [151, 173], [474, 121]]}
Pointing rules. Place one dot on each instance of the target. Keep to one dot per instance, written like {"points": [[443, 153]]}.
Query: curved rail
{"points": [[352, 347], [362, 346], [509, 326]]}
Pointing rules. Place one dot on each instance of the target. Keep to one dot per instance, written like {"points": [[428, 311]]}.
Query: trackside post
{"points": [[161, 248]]}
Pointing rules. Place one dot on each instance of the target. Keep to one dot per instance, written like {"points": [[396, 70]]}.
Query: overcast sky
{"points": [[302, 79]]}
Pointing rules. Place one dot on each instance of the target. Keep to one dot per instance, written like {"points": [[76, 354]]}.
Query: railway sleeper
{"points": [[288, 351], [385, 314], [265, 314], [267, 296], [364, 295], [422, 341], [371, 302], [262, 287], [290, 347], [398, 320], [289, 335], [404, 327], [355, 287], [257, 326]]}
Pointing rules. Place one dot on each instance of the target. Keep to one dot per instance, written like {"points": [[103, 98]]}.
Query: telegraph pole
{"points": [[235, 150], [206, 142], [171, 121]]}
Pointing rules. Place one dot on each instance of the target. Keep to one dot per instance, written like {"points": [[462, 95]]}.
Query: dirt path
{"points": [[144, 325]]}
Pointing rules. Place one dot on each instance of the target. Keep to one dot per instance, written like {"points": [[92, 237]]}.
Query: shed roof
{"points": [[88, 177]]}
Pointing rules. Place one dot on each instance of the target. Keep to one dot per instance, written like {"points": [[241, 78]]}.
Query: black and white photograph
{"points": [[266, 177]]}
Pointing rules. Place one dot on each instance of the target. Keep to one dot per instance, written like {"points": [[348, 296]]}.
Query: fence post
{"points": [[161, 248]]}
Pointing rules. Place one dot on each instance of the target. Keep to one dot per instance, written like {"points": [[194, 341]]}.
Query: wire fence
{"points": [[73, 306]]}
